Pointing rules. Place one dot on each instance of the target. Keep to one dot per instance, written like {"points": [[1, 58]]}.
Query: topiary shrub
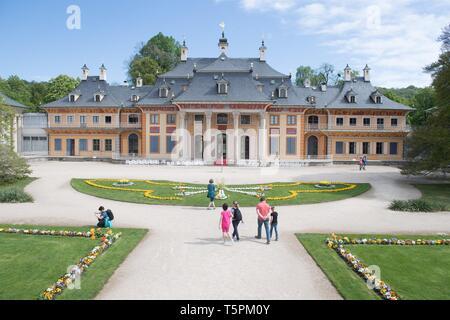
{"points": [[417, 205], [14, 195]]}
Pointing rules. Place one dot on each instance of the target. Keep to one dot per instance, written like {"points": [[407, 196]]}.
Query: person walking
{"points": [[225, 222], [263, 211], [211, 194], [274, 223], [237, 218], [361, 163], [364, 162]]}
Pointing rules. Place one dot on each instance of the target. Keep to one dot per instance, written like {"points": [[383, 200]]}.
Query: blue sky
{"points": [[396, 38]]}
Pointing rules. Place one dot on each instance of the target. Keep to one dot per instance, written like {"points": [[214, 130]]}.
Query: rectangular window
{"points": [[83, 119], [274, 145], [154, 144], [58, 146], [198, 117], [154, 119], [170, 144], [171, 118], [69, 119], [83, 144], [291, 144], [339, 147], [245, 119], [339, 121], [352, 147], [133, 119], [95, 119], [274, 120], [57, 119], [291, 120], [352, 121], [394, 122], [380, 123], [366, 122], [379, 147], [96, 144], [108, 119], [366, 147], [108, 145], [393, 148]]}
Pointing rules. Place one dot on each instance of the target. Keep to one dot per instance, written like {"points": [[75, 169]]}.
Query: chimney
{"points": [[347, 73], [262, 52], [366, 72], [103, 72], [323, 87], [84, 72], [184, 52], [139, 82]]}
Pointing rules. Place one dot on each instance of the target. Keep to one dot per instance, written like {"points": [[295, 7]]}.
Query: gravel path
{"points": [[183, 256]]}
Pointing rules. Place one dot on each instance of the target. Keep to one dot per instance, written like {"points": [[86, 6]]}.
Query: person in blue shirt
{"points": [[211, 194], [103, 218]]}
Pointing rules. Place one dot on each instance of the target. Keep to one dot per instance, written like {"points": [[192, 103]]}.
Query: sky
{"points": [[41, 39]]}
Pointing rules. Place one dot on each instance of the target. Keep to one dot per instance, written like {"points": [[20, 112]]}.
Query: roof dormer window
{"points": [[311, 99], [376, 97], [282, 91], [351, 96], [98, 97], [73, 97], [163, 92], [222, 86], [134, 98], [378, 100]]}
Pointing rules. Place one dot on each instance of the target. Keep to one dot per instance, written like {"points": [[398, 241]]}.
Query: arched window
{"points": [[222, 118]]}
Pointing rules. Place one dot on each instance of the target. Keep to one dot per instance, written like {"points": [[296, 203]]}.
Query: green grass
{"points": [[200, 200], [14, 192], [414, 272], [30, 264], [437, 194]]}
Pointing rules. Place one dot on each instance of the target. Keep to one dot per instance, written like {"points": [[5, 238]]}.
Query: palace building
{"points": [[227, 109]]}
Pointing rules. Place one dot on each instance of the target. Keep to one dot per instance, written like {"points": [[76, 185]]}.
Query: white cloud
{"points": [[397, 37]]}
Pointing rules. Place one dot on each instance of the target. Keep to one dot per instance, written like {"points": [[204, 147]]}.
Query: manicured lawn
{"points": [[435, 193], [200, 200], [414, 272], [30, 264]]}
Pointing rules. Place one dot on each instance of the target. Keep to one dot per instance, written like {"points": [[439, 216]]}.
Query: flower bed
{"points": [[106, 241], [380, 287]]}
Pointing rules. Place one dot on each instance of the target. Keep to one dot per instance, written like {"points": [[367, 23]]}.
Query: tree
{"points": [[59, 87], [38, 92], [306, 72], [6, 124], [326, 73], [16, 89], [160, 54], [429, 145], [423, 103], [12, 167]]}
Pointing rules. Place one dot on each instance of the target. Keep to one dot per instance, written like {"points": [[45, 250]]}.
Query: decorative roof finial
{"points": [[222, 26]]}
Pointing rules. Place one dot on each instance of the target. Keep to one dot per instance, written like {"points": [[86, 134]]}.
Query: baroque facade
{"points": [[227, 109]]}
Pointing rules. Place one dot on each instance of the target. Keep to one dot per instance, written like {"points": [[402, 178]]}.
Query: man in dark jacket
{"points": [[237, 218]]}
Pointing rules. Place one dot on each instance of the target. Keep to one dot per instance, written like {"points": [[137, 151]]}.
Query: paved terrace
{"points": [[183, 256]]}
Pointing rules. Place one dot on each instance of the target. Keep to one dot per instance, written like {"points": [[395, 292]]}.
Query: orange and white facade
{"points": [[233, 109]]}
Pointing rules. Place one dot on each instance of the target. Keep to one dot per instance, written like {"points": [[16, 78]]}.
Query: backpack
{"points": [[237, 215], [110, 214]]}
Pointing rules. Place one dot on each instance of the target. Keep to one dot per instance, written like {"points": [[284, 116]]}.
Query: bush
{"points": [[12, 167], [14, 195], [414, 206]]}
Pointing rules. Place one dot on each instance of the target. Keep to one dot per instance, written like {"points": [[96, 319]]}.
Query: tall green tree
{"points": [[424, 103], [429, 145], [160, 54], [59, 87], [6, 124], [16, 89]]}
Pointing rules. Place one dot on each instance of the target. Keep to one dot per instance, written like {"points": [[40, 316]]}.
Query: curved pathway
{"points": [[183, 257]]}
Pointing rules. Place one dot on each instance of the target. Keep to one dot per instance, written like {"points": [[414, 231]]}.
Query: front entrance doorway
{"points": [[70, 147], [198, 147], [245, 148], [222, 146], [133, 144], [313, 146]]}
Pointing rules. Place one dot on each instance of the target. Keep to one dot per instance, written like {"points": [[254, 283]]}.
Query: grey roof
{"points": [[248, 79], [114, 96], [11, 102]]}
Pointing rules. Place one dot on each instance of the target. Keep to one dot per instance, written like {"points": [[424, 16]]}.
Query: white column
{"points": [[262, 143], [237, 151], [207, 138], [182, 135]]}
